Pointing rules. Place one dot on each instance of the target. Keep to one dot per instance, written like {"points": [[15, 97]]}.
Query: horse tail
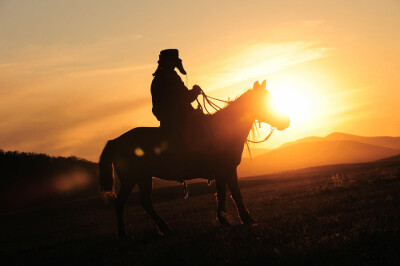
{"points": [[106, 173]]}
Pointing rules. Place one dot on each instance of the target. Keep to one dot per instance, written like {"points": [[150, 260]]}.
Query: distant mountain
{"points": [[307, 139], [384, 141], [395, 158], [302, 154], [254, 152]]}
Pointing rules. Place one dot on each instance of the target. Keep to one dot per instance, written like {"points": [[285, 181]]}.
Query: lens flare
{"points": [[289, 98]]}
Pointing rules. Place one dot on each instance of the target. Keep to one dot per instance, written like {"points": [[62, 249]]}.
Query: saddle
{"points": [[187, 136]]}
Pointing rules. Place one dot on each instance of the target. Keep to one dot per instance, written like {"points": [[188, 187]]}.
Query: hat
{"points": [[169, 54], [172, 55]]}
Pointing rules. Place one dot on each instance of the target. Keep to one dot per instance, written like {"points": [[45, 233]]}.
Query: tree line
{"points": [[18, 167]]}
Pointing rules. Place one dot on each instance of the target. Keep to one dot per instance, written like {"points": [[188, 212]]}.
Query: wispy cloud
{"points": [[256, 59], [340, 108], [62, 57], [55, 128]]}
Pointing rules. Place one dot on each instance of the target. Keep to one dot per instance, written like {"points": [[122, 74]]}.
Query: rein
{"points": [[266, 138], [206, 99]]}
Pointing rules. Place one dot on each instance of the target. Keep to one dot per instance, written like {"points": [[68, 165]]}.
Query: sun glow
{"points": [[290, 97]]}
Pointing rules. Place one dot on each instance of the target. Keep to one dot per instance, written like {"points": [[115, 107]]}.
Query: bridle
{"points": [[206, 100]]}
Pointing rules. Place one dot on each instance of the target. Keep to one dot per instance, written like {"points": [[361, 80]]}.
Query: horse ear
{"points": [[256, 85], [264, 84]]}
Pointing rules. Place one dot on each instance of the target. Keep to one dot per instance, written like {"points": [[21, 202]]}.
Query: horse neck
{"points": [[238, 117]]}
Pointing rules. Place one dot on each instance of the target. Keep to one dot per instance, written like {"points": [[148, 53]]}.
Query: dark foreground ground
{"points": [[329, 215]]}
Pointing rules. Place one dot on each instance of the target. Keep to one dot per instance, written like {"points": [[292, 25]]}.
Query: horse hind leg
{"points": [[120, 202], [145, 189]]}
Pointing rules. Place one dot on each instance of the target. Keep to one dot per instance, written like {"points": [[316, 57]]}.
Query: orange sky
{"points": [[74, 74]]}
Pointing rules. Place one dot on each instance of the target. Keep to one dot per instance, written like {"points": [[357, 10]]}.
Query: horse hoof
{"points": [[165, 231], [250, 221], [223, 222]]}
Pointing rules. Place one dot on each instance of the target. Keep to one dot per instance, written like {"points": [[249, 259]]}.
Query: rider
{"points": [[171, 98]]}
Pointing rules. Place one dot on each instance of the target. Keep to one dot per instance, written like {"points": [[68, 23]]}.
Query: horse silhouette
{"points": [[212, 153]]}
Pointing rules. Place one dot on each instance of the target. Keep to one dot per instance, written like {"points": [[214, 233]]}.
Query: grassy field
{"points": [[344, 214]]}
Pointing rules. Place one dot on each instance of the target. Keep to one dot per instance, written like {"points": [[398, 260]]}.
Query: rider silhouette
{"points": [[171, 98]]}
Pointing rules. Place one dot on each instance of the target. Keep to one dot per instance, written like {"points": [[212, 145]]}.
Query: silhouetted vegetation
{"points": [[18, 167], [23, 176]]}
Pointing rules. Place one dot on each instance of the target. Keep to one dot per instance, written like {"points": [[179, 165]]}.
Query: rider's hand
{"points": [[196, 89]]}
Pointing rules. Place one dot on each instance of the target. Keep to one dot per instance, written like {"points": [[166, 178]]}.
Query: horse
{"points": [[214, 154]]}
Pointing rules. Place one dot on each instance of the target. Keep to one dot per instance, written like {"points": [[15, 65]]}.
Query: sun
{"points": [[290, 97]]}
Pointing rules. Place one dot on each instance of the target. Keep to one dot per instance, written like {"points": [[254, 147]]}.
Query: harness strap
{"points": [[216, 108], [216, 98], [266, 138]]}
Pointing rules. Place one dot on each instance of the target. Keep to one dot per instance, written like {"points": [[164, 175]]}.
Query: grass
{"points": [[330, 215]]}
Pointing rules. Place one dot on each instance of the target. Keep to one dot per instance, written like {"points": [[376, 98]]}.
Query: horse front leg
{"points": [[221, 199], [233, 184]]}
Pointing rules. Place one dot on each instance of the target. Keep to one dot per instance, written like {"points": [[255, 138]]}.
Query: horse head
{"points": [[264, 110]]}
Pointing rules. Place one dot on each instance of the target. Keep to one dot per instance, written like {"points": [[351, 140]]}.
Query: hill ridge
{"points": [[314, 153]]}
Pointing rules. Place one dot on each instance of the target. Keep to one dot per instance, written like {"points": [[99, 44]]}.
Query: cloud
{"points": [[49, 128], [251, 60], [63, 57], [51, 92]]}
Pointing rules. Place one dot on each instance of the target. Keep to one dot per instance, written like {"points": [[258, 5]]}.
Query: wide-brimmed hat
{"points": [[172, 55]]}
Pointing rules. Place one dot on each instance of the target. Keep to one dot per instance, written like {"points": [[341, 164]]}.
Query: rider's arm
{"points": [[189, 95], [192, 95]]}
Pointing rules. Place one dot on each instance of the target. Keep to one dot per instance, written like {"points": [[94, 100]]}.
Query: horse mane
{"points": [[235, 100], [254, 132], [253, 135]]}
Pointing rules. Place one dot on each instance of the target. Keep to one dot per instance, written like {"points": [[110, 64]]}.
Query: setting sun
{"points": [[290, 98]]}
